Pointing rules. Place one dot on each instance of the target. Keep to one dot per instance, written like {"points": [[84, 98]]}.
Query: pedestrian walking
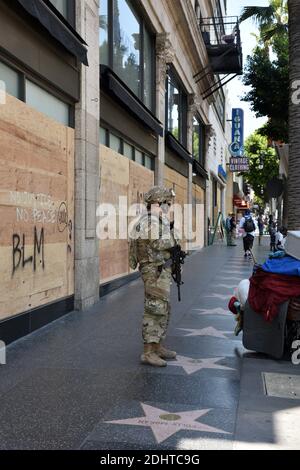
{"points": [[230, 226], [272, 233], [261, 227], [151, 246], [247, 225]]}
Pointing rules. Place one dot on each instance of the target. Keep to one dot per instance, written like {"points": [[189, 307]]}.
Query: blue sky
{"points": [[235, 87]]}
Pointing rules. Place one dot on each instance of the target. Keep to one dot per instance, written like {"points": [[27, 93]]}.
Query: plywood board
{"points": [[120, 177], [36, 209], [180, 185]]}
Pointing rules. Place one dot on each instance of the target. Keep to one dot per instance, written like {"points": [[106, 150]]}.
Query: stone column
{"points": [[87, 145], [209, 134], [192, 110], [164, 56]]}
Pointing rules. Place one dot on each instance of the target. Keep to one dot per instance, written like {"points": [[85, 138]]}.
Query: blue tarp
{"points": [[287, 265]]}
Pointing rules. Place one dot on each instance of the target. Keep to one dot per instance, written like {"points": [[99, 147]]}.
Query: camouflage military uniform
{"points": [[151, 251], [152, 254]]}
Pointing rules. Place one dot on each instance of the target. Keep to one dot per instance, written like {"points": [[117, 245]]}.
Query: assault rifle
{"points": [[178, 257]]}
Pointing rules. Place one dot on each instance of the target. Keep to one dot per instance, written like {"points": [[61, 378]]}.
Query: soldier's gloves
{"points": [[175, 249]]}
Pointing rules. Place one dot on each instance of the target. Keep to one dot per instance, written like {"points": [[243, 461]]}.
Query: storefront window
{"points": [[148, 69], [61, 6], [139, 157], [198, 140], [103, 136], [128, 151], [148, 162], [115, 143], [118, 144], [15, 84], [46, 103], [10, 79], [103, 32], [127, 47], [66, 8], [220, 106], [176, 101]]}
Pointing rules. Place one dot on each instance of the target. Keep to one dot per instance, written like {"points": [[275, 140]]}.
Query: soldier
{"points": [[151, 245]]}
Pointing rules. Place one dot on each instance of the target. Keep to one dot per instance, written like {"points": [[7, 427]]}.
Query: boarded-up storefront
{"points": [[179, 183], [36, 209], [120, 177]]}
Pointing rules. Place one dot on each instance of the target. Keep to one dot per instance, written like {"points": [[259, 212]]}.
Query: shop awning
{"points": [[178, 148], [240, 203], [197, 168], [57, 27]]}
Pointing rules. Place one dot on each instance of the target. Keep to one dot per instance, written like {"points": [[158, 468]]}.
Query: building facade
{"points": [[81, 128]]}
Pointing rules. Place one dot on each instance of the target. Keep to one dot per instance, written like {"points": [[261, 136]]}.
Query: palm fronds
{"points": [[277, 29], [262, 15]]}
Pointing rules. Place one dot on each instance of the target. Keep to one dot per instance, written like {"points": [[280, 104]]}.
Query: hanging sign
{"points": [[239, 164], [236, 148], [222, 173]]}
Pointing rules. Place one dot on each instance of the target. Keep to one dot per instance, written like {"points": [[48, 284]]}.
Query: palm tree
{"points": [[294, 117], [272, 20]]}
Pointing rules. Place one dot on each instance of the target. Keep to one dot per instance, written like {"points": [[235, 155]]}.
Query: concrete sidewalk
{"points": [[78, 383]]}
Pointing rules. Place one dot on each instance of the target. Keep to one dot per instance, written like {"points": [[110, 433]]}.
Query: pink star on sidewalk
{"points": [[218, 296], [191, 365], [226, 286], [231, 278], [212, 311], [209, 331], [164, 424]]}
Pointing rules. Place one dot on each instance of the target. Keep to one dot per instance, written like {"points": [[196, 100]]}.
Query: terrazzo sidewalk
{"points": [[78, 383]]}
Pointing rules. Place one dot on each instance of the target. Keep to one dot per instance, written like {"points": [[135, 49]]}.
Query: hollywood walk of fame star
{"points": [[217, 296], [230, 278], [226, 286], [235, 261], [191, 365], [164, 424], [236, 266], [241, 272], [209, 331], [212, 311]]}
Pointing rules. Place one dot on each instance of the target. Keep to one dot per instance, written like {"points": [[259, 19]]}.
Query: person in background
{"points": [[261, 226], [247, 225], [230, 225], [280, 239], [272, 233]]}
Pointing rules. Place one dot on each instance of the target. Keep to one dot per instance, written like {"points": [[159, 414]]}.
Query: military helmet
{"points": [[159, 194]]}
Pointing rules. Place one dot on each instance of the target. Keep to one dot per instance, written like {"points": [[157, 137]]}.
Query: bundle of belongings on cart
{"points": [[273, 283]]}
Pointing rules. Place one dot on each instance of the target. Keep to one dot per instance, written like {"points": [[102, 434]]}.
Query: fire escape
{"points": [[221, 36]]}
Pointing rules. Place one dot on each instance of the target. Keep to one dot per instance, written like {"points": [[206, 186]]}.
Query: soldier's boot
{"points": [[165, 353], [150, 357]]}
